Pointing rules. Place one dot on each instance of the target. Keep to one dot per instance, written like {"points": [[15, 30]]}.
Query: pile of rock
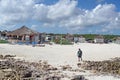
{"points": [[109, 66], [14, 69], [78, 77], [7, 56]]}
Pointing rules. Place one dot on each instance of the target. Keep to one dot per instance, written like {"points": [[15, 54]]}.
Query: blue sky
{"points": [[62, 16]]}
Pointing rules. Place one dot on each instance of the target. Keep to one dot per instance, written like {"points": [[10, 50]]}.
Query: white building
{"points": [[76, 39], [99, 39], [48, 38], [117, 40], [81, 39]]}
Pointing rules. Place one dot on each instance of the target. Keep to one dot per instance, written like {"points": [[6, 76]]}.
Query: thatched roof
{"points": [[23, 31]]}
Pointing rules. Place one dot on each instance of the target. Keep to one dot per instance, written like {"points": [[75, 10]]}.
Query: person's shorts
{"points": [[79, 56]]}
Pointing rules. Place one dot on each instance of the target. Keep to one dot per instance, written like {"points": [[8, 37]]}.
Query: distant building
{"points": [[23, 34], [117, 40], [57, 37], [69, 37], [81, 39], [48, 38], [99, 39], [76, 39], [42, 37]]}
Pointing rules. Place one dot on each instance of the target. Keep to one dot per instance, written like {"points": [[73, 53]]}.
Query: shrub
{"points": [[63, 41], [3, 41]]}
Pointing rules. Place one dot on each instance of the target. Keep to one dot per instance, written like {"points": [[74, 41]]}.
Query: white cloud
{"points": [[41, 12], [103, 16], [62, 9], [56, 12], [34, 27], [15, 11], [64, 13]]}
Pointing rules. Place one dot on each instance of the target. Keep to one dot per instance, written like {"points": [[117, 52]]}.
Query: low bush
{"points": [[3, 41]]}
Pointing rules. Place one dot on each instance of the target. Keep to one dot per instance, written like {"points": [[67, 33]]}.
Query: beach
{"points": [[62, 55]]}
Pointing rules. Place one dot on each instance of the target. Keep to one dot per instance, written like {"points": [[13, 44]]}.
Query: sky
{"points": [[62, 16]]}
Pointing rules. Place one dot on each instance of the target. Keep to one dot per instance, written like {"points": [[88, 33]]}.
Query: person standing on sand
{"points": [[79, 54]]}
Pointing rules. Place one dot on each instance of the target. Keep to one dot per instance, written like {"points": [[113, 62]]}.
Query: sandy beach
{"points": [[59, 55], [62, 54]]}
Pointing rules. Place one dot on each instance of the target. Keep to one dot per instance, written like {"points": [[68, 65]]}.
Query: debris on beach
{"points": [[79, 77], [111, 66], [13, 69], [16, 69]]}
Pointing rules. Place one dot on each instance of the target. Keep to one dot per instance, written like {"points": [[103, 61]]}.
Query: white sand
{"points": [[62, 54], [65, 54]]}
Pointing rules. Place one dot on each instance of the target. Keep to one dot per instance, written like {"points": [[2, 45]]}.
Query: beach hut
{"points": [[23, 34], [99, 39], [81, 39], [69, 37]]}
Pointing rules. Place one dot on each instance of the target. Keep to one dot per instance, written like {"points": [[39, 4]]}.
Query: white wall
{"points": [[98, 40], [117, 41], [81, 40]]}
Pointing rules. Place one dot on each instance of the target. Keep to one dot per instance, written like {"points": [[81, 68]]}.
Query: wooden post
{"points": [[23, 38]]}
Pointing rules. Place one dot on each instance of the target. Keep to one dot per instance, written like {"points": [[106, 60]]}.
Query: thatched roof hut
{"points": [[22, 31], [23, 34]]}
